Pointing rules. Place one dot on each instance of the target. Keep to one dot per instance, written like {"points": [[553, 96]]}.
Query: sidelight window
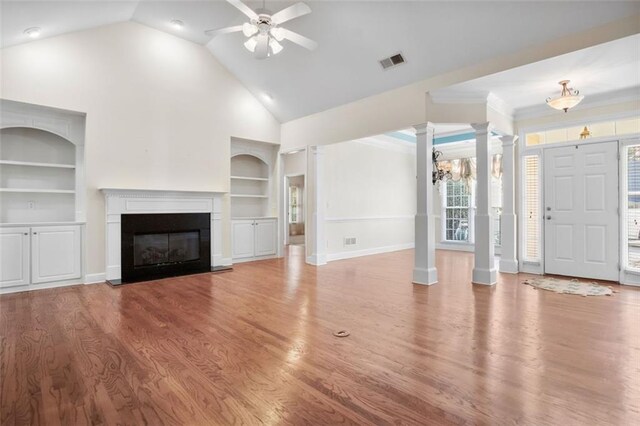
{"points": [[632, 210]]}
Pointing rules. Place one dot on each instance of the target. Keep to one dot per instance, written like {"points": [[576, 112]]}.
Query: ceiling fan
{"points": [[264, 31]]}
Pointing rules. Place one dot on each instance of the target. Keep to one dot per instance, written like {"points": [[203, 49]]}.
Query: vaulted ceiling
{"points": [[435, 37]]}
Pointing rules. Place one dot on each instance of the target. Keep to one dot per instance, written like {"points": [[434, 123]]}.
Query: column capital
{"points": [[481, 128], [316, 149], [508, 140], [427, 127]]}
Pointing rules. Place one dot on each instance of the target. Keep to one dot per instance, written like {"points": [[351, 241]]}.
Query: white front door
{"points": [[581, 211]]}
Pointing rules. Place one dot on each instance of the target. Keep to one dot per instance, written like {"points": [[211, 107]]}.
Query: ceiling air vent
{"points": [[392, 61]]}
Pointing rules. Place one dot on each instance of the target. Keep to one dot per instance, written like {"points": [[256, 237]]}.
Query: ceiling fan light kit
{"points": [[568, 98], [264, 31]]}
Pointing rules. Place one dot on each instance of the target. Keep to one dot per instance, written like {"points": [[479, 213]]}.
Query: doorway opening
{"points": [[295, 210]]}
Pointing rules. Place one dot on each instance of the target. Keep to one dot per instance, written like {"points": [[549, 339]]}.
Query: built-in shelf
{"points": [[38, 191], [250, 178], [32, 164], [248, 196]]}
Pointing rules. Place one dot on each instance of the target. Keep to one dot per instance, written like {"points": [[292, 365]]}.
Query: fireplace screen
{"points": [[174, 247]]}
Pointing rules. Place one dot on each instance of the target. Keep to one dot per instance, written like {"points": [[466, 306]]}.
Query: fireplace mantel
{"points": [[119, 201]]}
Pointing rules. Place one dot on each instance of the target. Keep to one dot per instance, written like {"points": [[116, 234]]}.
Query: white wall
{"points": [[295, 164], [370, 195], [160, 111]]}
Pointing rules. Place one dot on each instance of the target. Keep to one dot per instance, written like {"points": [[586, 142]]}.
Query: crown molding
{"points": [[490, 99], [452, 97], [395, 145]]}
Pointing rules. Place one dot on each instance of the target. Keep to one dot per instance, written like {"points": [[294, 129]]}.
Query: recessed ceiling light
{"points": [[177, 24], [33, 32], [268, 97]]}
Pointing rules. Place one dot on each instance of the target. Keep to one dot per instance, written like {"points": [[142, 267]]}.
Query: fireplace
{"points": [[164, 245]]}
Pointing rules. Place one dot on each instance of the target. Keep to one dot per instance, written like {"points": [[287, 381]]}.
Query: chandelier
{"points": [[568, 98], [439, 173]]}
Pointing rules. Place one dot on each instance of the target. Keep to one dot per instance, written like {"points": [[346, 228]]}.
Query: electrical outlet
{"points": [[31, 205]]}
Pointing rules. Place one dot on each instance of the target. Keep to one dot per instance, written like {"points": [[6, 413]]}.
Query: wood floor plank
{"points": [[255, 346]]}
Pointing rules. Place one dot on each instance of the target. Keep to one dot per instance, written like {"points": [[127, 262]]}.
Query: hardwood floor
{"points": [[255, 346]]}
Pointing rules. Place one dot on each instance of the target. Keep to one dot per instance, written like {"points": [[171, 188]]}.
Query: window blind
{"points": [[532, 208], [633, 206]]}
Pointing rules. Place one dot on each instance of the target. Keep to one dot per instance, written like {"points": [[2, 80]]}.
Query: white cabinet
{"points": [[243, 238], [33, 256], [254, 238], [265, 237], [14, 257], [55, 253]]}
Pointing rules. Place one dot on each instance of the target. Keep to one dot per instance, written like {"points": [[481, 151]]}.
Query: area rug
{"points": [[567, 286]]}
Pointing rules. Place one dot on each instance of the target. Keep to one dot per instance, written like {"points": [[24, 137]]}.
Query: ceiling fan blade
{"points": [[291, 12], [228, 30], [262, 48], [244, 9], [298, 39]]}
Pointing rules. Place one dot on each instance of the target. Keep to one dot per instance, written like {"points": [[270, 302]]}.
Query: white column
{"points": [[508, 232], [317, 250], [424, 271], [484, 269]]}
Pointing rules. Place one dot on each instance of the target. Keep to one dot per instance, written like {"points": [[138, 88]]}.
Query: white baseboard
{"points": [[317, 259], [630, 278], [367, 252], [226, 261], [95, 278], [455, 246], [34, 287], [252, 259]]}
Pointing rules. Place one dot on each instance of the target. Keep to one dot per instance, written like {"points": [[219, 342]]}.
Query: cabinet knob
{"points": [[34, 233], [26, 233]]}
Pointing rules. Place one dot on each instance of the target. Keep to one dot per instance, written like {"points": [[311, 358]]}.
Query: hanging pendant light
{"points": [[439, 174], [568, 98]]}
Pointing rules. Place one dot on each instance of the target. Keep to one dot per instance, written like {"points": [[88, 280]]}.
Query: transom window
{"points": [[604, 128]]}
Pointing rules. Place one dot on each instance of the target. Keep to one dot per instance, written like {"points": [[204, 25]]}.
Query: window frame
{"points": [[470, 213], [624, 146]]}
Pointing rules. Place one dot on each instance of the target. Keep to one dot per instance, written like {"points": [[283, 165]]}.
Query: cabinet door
{"points": [[14, 257], [55, 253], [265, 237], [243, 238]]}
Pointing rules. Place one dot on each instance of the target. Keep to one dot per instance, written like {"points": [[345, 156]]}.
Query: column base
{"points": [[484, 276], [508, 266], [317, 259], [425, 276]]}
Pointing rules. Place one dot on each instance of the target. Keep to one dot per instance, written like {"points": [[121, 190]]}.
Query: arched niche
{"points": [[247, 165], [31, 144]]}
